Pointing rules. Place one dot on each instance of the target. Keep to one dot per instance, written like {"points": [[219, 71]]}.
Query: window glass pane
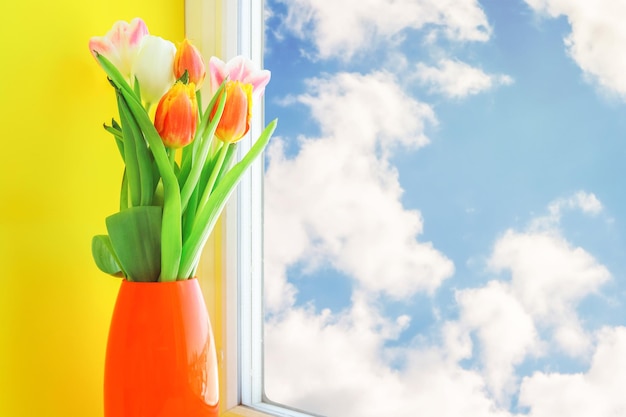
{"points": [[444, 211]]}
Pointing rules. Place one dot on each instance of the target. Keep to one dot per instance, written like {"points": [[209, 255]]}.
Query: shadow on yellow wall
{"points": [[59, 179]]}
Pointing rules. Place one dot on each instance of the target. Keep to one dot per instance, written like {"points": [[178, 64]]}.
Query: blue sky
{"points": [[444, 207]]}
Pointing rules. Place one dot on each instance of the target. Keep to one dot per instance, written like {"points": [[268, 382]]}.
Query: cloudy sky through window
{"points": [[445, 221]]}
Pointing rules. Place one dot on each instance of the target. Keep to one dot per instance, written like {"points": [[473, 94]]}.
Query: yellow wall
{"points": [[59, 179]]}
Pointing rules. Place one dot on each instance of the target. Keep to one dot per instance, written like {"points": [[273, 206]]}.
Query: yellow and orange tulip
{"points": [[235, 121], [176, 115], [188, 59]]}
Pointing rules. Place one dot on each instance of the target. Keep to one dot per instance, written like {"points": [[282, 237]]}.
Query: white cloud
{"points": [[342, 355], [338, 365], [547, 273], [599, 392], [457, 79], [342, 28], [587, 203], [349, 214], [506, 332], [345, 363], [550, 277], [367, 110], [597, 39]]}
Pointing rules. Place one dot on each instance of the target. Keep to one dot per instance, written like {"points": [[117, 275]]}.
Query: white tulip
{"points": [[154, 68]]}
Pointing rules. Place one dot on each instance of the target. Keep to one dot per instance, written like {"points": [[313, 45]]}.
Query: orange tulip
{"points": [[235, 121], [188, 58], [176, 116]]}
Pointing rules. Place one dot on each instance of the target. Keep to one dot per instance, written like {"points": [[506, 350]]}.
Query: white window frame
{"points": [[227, 28]]}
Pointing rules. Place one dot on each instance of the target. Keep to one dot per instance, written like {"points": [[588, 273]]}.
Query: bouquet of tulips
{"points": [[179, 163]]}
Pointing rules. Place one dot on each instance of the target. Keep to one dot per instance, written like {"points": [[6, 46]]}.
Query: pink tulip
{"points": [[121, 44], [238, 69]]}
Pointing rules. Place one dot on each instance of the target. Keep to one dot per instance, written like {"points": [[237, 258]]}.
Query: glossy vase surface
{"points": [[160, 358]]}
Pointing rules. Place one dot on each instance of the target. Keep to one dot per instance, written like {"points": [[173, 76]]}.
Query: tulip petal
{"points": [[259, 80], [176, 115], [237, 68], [188, 59], [137, 29], [121, 44], [154, 68], [235, 120], [217, 73]]}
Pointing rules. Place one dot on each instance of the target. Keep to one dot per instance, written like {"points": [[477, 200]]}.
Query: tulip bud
{"points": [[176, 115], [235, 121], [188, 59]]}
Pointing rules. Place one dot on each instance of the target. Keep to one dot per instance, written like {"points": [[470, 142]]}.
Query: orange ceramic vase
{"points": [[160, 358]]}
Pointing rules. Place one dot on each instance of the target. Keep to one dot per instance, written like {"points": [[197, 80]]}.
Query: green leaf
{"points": [[130, 155], [172, 231], [115, 77], [116, 130], [124, 204], [215, 169], [184, 78], [230, 155], [171, 244], [193, 164], [135, 236], [134, 136], [208, 215], [105, 258], [190, 214], [137, 88]]}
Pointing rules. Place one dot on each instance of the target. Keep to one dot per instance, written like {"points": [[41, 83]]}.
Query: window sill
{"points": [[243, 411]]}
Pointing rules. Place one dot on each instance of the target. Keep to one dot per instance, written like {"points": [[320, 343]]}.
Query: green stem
{"points": [[187, 159], [211, 183], [207, 216], [189, 216], [147, 182], [199, 101], [124, 192], [232, 150], [130, 156], [199, 158], [171, 154]]}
